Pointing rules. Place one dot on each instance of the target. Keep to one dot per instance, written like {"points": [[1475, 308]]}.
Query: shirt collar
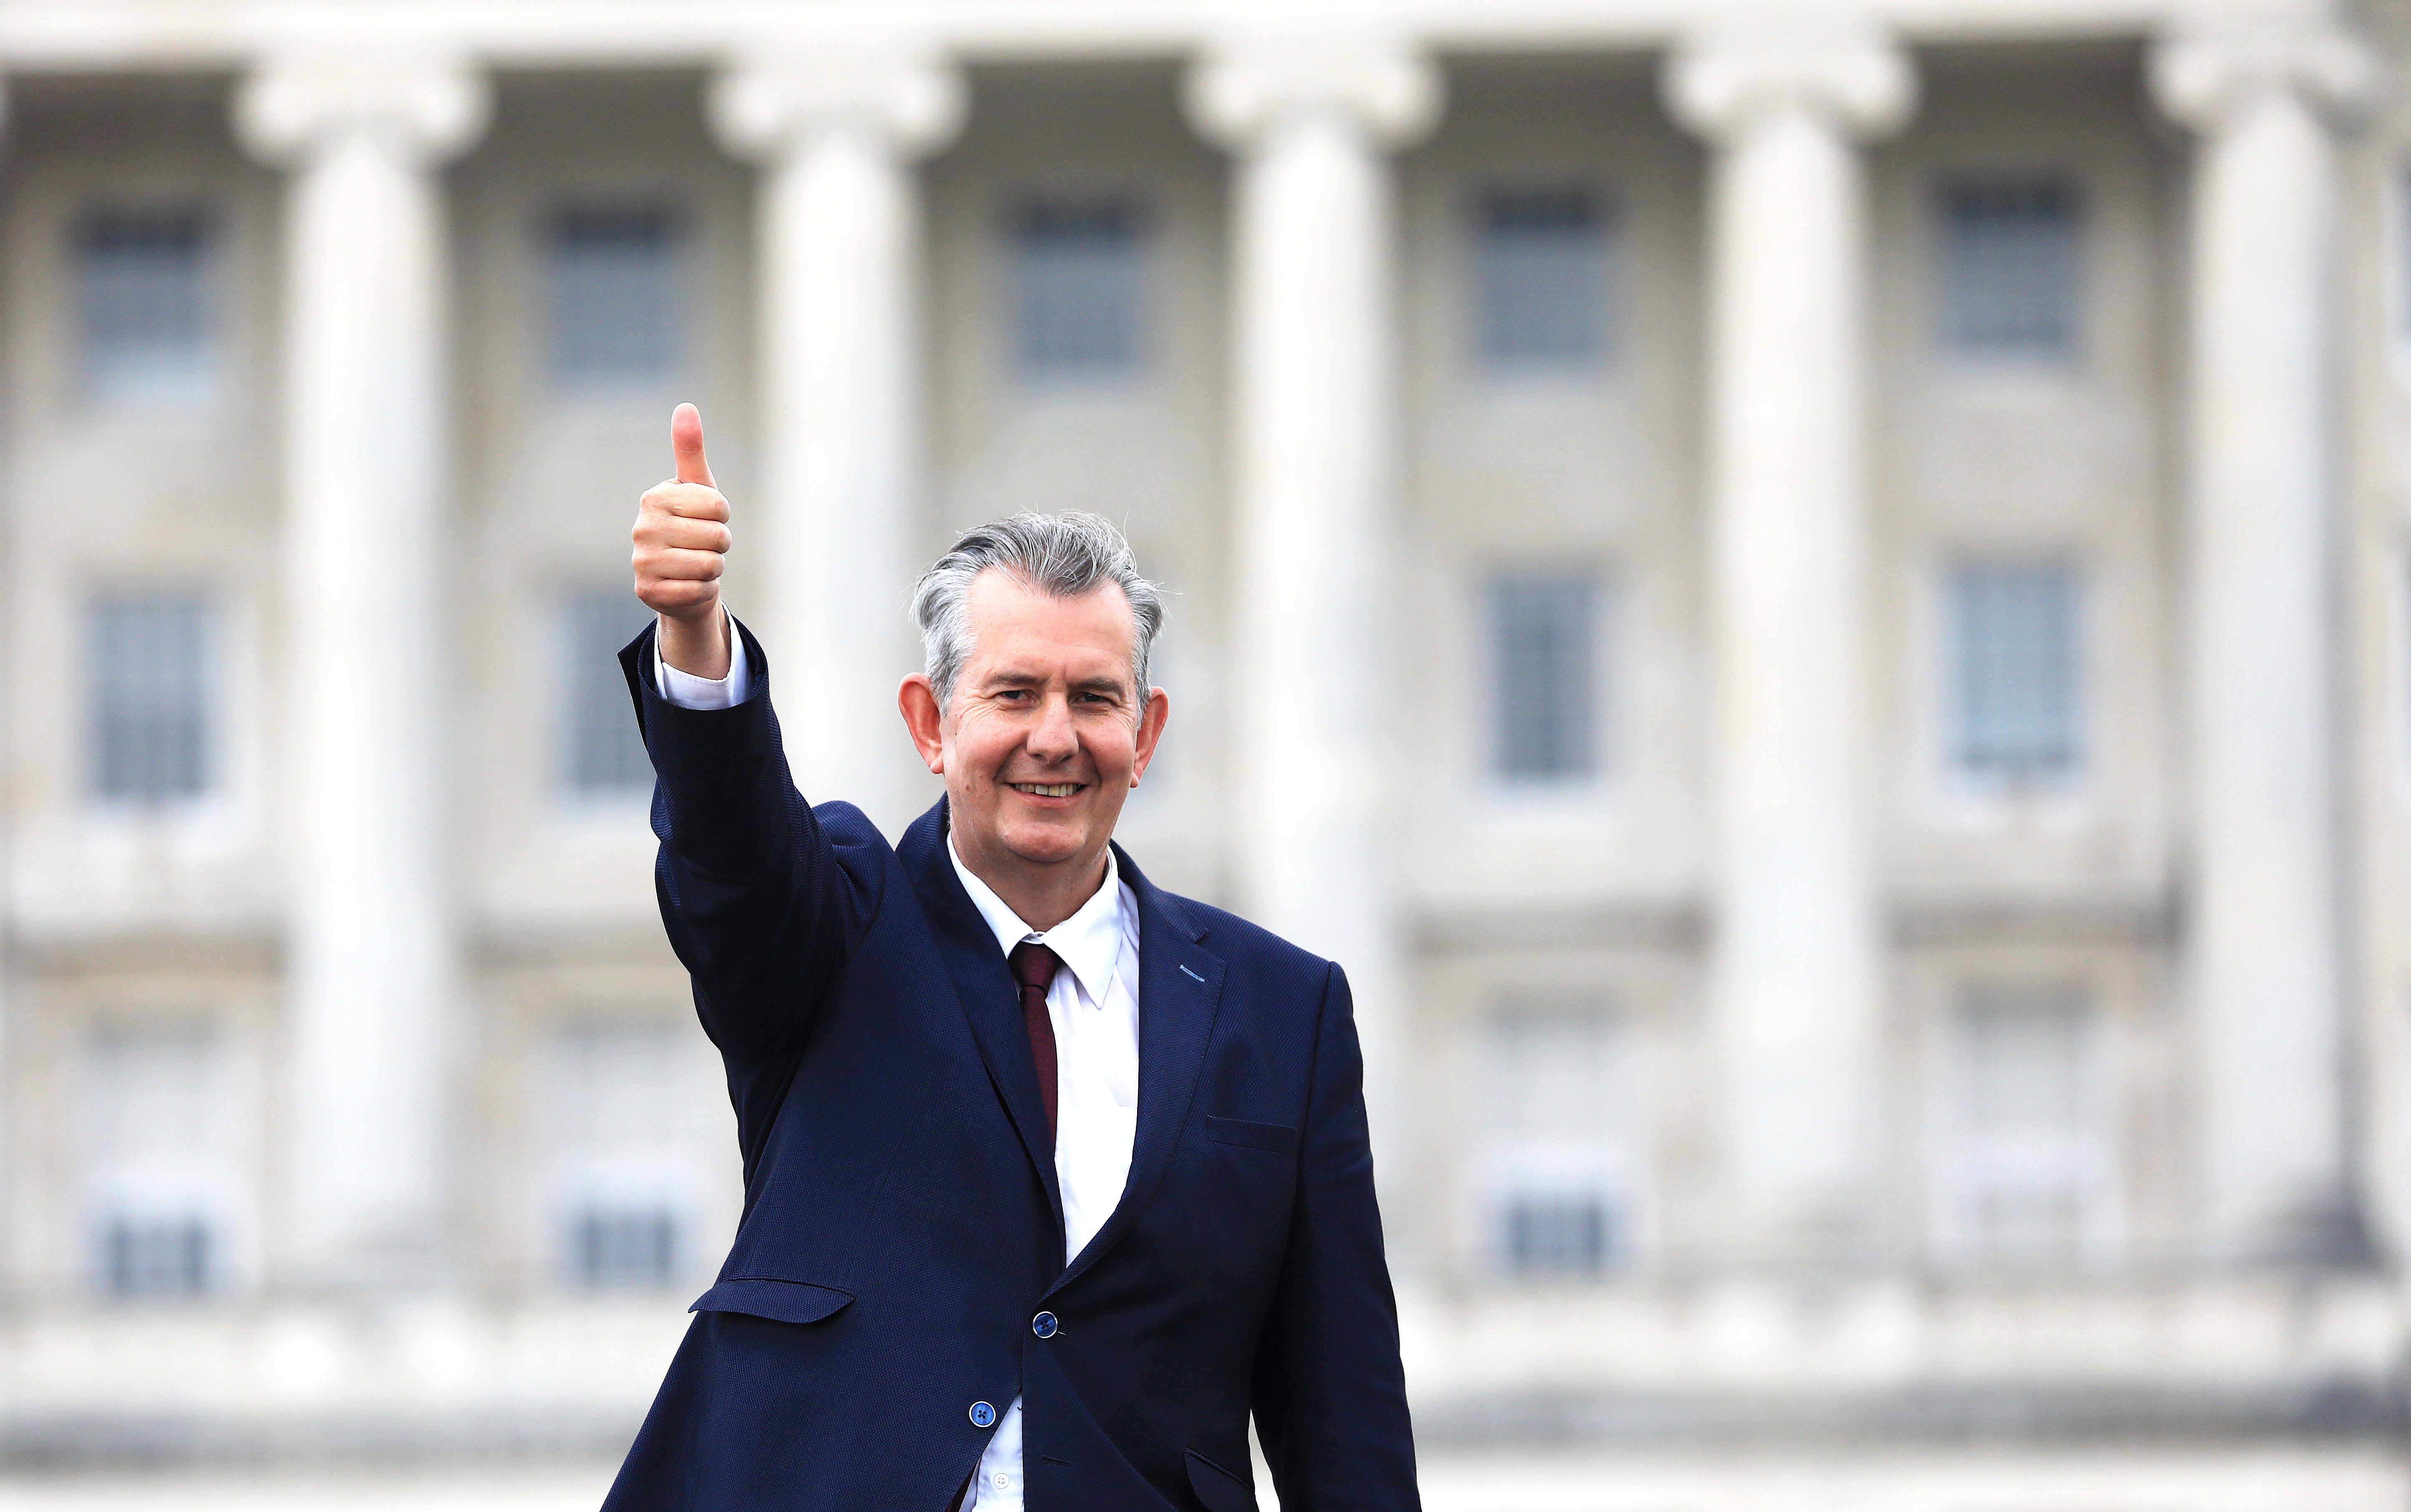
{"points": [[1088, 943]]}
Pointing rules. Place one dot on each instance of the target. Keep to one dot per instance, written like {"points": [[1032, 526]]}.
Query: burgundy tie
{"points": [[1033, 967]]}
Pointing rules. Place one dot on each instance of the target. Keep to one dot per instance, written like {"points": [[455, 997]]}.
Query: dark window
{"points": [[1557, 1236], [155, 1257], [1078, 289], [2009, 266], [604, 754], [2029, 1157], [155, 1167], [150, 696], [146, 331], [2016, 707], [1540, 281], [1545, 630], [1560, 1155], [624, 1247], [612, 284]]}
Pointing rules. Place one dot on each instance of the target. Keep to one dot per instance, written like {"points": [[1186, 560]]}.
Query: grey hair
{"points": [[1062, 555]]}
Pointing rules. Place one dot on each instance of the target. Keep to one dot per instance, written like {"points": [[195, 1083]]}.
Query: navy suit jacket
{"points": [[902, 1226]]}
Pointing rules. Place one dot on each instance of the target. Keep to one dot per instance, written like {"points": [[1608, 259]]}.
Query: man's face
{"points": [[1046, 734]]}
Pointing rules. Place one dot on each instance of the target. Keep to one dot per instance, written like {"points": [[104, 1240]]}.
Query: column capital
{"points": [[1717, 85], [429, 108], [2201, 75], [1240, 89], [769, 103]]}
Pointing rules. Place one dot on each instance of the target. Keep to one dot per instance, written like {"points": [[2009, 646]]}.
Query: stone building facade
{"points": [[1815, 600]]}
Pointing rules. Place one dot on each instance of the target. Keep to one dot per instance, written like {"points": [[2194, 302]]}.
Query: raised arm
{"points": [[756, 890]]}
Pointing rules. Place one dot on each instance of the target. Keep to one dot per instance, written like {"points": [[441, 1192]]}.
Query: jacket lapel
{"points": [[983, 985], [1179, 990]]}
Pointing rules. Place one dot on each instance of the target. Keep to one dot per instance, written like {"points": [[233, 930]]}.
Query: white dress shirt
{"points": [[1093, 1006]]}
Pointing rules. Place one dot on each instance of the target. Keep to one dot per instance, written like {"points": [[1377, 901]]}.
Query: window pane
{"points": [[624, 1176], [1539, 280], [149, 686], [2009, 268], [145, 331], [606, 755], [1566, 1236], [627, 1247], [1078, 289], [154, 1258], [155, 1161], [1559, 1141], [2027, 1159], [2018, 696], [612, 288], [1545, 633]]}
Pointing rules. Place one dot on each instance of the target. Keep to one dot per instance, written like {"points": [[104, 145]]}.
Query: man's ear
{"points": [[1150, 730], [918, 703]]}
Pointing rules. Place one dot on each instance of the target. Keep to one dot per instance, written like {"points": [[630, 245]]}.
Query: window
{"points": [[603, 756], [2025, 1148], [1560, 1167], [146, 327], [1079, 291], [612, 286], [625, 1181], [157, 1170], [2009, 269], [1546, 706], [2016, 704], [1540, 281], [149, 686]]}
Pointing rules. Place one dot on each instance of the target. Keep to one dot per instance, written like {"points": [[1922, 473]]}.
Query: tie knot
{"points": [[1033, 964]]}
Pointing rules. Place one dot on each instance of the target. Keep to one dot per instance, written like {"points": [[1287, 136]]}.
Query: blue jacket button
{"points": [[1042, 1324], [983, 1416]]}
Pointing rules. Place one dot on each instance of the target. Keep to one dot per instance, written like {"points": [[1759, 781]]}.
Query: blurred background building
{"points": [[1815, 600]]}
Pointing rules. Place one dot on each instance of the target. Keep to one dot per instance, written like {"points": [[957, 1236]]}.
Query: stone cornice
{"points": [[1241, 89], [429, 108], [770, 101]]}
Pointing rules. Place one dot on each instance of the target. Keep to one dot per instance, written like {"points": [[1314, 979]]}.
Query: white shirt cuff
{"points": [[688, 691]]}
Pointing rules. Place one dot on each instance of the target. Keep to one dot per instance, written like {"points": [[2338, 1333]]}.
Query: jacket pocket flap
{"points": [[1278, 1138], [782, 1301], [1220, 1490]]}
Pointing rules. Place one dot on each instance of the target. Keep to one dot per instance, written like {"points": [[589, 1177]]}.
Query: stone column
{"points": [[2263, 961], [1796, 976], [364, 482], [1312, 363], [840, 419]]}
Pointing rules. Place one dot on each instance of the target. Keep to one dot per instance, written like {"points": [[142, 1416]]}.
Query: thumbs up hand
{"points": [[681, 536]]}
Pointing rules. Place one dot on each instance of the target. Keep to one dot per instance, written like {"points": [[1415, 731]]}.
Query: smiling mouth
{"points": [[1047, 789]]}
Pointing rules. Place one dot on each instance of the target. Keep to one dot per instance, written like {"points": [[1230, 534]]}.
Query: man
{"points": [[1051, 1178]]}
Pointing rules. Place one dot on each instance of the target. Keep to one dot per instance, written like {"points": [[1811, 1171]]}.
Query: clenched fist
{"points": [[681, 536]]}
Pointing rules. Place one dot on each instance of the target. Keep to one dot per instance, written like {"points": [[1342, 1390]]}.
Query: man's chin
{"points": [[1048, 844]]}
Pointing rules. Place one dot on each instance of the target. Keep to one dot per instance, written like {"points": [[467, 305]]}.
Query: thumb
{"points": [[686, 442]]}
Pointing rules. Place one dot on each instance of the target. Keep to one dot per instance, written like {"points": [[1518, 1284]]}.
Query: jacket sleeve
{"points": [[1330, 1395], [763, 898]]}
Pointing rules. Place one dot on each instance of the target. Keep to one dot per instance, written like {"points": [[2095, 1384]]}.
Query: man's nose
{"points": [[1052, 738]]}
